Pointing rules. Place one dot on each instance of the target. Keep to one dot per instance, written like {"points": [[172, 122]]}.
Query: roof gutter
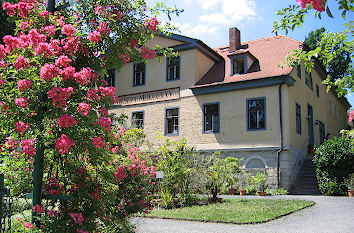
{"points": [[247, 84]]}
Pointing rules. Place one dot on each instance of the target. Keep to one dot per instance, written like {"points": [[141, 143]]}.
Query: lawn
{"points": [[238, 211]]}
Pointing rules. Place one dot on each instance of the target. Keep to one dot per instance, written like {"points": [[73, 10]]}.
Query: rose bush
{"points": [[52, 99]]}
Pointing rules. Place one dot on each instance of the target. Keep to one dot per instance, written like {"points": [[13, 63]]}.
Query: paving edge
{"points": [[225, 222]]}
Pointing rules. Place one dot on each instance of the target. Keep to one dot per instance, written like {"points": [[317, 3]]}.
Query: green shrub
{"points": [[258, 181], [250, 190], [175, 160], [334, 160]]}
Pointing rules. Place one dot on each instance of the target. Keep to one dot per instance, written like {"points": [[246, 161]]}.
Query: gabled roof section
{"points": [[191, 43], [269, 52]]}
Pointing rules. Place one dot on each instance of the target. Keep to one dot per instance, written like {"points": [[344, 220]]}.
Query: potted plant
{"points": [[218, 171], [242, 182], [350, 184], [232, 169], [242, 192], [259, 182]]}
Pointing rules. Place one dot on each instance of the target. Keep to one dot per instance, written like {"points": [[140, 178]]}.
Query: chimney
{"points": [[234, 39]]}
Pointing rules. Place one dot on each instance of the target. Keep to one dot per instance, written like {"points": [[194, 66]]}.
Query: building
{"points": [[234, 98]]}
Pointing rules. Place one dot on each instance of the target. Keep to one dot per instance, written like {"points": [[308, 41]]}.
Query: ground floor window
{"points": [[171, 121], [138, 120], [211, 117]]}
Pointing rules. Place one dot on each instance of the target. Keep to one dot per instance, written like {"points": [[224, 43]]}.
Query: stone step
{"points": [[306, 182]]}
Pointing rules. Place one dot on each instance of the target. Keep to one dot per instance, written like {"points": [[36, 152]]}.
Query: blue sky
{"points": [[210, 20]]}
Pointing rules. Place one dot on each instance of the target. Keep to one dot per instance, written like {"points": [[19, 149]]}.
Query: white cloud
{"points": [[228, 11], [208, 4], [195, 30]]}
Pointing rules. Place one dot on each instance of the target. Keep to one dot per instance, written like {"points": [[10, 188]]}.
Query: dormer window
{"points": [[238, 66]]}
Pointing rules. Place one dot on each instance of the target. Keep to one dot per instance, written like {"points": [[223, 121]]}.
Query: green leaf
{"points": [[344, 13], [329, 13]]}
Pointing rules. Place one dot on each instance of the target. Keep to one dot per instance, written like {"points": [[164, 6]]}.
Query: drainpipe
{"points": [[281, 136]]}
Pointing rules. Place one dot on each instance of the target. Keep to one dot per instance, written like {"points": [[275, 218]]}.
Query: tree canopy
{"points": [[329, 47], [339, 66]]}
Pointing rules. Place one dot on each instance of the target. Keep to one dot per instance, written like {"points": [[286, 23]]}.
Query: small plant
{"points": [[220, 171], [259, 181], [242, 180], [250, 190], [350, 182], [279, 191], [166, 198], [232, 166], [175, 160]]}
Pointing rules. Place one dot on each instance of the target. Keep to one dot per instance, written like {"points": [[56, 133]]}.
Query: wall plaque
{"points": [[149, 97]]}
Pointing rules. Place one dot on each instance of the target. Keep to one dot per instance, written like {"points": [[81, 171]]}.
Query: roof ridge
{"points": [[259, 39]]}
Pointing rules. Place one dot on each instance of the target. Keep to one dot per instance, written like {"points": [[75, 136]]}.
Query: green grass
{"points": [[239, 211]]}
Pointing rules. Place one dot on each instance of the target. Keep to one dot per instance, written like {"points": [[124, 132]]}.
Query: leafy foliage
{"points": [[334, 160], [332, 48], [339, 65], [175, 161], [53, 102], [259, 181], [219, 172]]}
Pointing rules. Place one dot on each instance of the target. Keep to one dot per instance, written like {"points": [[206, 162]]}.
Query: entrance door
{"points": [[310, 125]]}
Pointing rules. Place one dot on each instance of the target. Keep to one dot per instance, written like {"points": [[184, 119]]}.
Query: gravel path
{"points": [[329, 214]]}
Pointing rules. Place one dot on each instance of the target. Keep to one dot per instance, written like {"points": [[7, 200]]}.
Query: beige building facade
{"points": [[235, 99]]}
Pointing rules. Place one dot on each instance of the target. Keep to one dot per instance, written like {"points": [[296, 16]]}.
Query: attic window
{"points": [[238, 66]]}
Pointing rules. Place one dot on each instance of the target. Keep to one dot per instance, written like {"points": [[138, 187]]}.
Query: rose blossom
{"points": [[52, 213], [63, 61], [63, 144], [21, 62], [351, 116], [24, 84], [68, 30], [49, 71], [22, 102], [94, 37], [97, 142], [78, 218], [105, 122], [21, 126], [84, 108], [28, 225], [38, 208], [66, 121]]}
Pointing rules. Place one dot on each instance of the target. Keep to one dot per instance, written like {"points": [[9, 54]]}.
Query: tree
{"points": [[330, 46], [52, 101], [339, 66]]}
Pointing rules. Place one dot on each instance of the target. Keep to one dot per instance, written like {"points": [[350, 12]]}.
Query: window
{"points": [[171, 123], [238, 66], [308, 80], [173, 68], [138, 120], [298, 118], [256, 114], [317, 91], [299, 71], [139, 74], [110, 77], [211, 117]]}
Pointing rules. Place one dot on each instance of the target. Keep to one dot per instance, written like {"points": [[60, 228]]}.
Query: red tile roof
{"points": [[268, 51]]}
